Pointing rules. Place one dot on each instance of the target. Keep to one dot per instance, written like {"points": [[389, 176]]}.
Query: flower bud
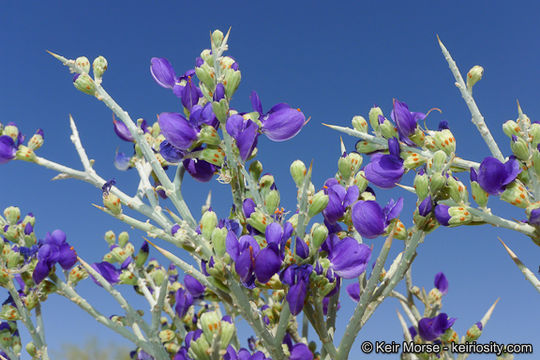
{"points": [[519, 148], [12, 131], [221, 109], [218, 240], [142, 256], [99, 66], [400, 231], [474, 75], [127, 277], [255, 169], [207, 56], [344, 167], [360, 124], [209, 135], [166, 335], [388, 130], [214, 156], [231, 81], [31, 300], [319, 233], [536, 161], [318, 203], [449, 336], [209, 222], [459, 215], [31, 350], [438, 161], [534, 133], [271, 201], [516, 195], [294, 220], [12, 214], [478, 194], [298, 172], [25, 153], [429, 143], [360, 181], [418, 137], [217, 38], [365, 147], [77, 274], [206, 75], [9, 312], [258, 220], [374, 114], [474, 332], [266, 181], [123, 239], [437, 181], [458, 191], [83, 63], [158, 275], [112, 203], [13, 259], [445, 141], [434, 297], [36, 141], [210, 324], [413, 160], [201, 348], [110, 237], [83, 82], [511, 128]]}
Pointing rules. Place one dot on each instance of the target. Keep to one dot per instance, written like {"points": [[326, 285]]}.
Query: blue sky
{"points": [[333, 61]]}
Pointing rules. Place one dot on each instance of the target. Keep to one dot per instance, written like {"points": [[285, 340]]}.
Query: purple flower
{"points": [[7, 149], [122, 131], [493, 175], [297, 277], [54, 250], [349, 258], [430, 329], [177, 130], [108, 271], [219, 93], [190, 94], [441, 283], [243, 252], [405, 120], [244, 132], [442, 215], [121, 161], [200, 170], [183, 301], [534, 217], [301, 351], [370, 220], [195, 288], [338, 199], [248, 207], [425, 206], [385, 170], [162, 72], [280, 123], [354, 291]]}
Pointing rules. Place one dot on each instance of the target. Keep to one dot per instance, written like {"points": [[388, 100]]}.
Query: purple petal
{"points": [[301, 351], [267, 263], [122, 131], [283, 124], [349, 258], [162, 72], [256, 102], [177, 130], [273, 233], [7, 149], [200, 170], [67, 256], [296, 297], [41, 271], [354, 291], [441, 214], [368, 219], [193, 285], [441, 283], [384, 170], [108, 271]]}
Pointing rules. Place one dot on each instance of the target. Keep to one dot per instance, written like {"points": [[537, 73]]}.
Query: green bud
{"points": [[294, 220], [374, 117], [434, 297], [298, 172], [110, 237], [523, 176], [388, 130], [207, 56], [205, 73], [4, 277], [364, 147], [123, 239], [437, 181], [511, 128], [45, 288], [13, 259], [209, 135], [458, 191], [319, 233], [318, 203], [429, 143], [419, 137], [439, 160], [445, 141], [474, 75], [258, 220], [31, 349], [255, 169], [413, 160], [266, 181], [128, 278], [519, 148], [449, 336], [536, 161], [534, 133], [271, 201], [219, 237], [83, 82], [516, 194], [209, 222], [36, 141], [112, 203], [25, 153], [344, 167], [31, 300], [83, 63], [166, 335], [356, 161], [210, 324], [360, 181], [214, 156], [9, 312], [473, 333], [367, 196], [360, 124], [12, 214], [12, 131], [459, 215], [227, 332], [231, 81], [158, 274], [217, 38], [221, 109], [200, 348], [77, 274], [99, 66], [478, 194]]}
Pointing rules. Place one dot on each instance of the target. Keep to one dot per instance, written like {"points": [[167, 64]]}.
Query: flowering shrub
{"points": [[259, 263]]}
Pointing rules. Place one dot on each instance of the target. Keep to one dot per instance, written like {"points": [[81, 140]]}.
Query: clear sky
{"points": [[333, 61]]}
